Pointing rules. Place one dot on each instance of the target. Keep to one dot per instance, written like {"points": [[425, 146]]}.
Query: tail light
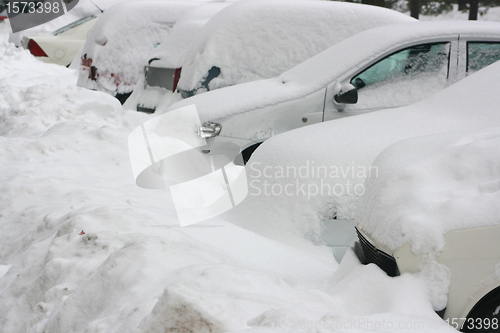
{"points": [[177, 76], [35, 49]]}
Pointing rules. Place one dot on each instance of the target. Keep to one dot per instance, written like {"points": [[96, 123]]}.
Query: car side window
{"points": [[481, 54], [403, 77]]}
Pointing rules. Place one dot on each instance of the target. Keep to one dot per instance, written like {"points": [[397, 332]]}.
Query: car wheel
{"points": [[485, 315], [248, 152], [123, 97]]}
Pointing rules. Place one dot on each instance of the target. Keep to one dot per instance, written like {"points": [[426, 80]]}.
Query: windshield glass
{"points": [[73, 25]]}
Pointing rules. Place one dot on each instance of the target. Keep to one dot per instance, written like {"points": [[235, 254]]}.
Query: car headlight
{"points": [[209, 130]]}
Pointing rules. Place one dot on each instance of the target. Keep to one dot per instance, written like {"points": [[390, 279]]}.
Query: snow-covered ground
{"points": [[83, 249]]}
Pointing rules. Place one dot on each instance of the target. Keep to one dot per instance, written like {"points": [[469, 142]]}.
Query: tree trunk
{"points": [[414, 8], [474, 4], [462, 4]]}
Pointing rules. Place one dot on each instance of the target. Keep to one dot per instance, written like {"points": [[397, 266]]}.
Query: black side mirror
{"points": [[348, 95]]}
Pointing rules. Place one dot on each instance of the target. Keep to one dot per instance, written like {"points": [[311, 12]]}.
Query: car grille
{"points": [[374, 256]]}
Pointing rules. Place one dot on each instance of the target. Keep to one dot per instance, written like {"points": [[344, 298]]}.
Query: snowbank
{"points": [[252, 40], [120, 42], [431, 185], [318, 171]]}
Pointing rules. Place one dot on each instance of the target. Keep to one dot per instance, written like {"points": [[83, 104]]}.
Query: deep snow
{"points": [[83, 249]]}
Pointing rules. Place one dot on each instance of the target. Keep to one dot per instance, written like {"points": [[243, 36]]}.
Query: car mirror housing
{"points": [[348, 94]]}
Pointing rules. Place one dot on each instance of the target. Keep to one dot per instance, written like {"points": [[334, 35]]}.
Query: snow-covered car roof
{"points": [[315, 73], [252, 40], [120, 42], [337, 156], [173, 48], [431, 185]]}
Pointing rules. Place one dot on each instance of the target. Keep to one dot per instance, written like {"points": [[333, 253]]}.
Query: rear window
{"points": [[73, 25]]}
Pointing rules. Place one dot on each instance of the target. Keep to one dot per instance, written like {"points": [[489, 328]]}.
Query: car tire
{"points": [[247, 153], [485, 315]]}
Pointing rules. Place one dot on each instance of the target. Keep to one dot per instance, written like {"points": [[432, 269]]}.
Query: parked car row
{"points": [[260, 73], [361, 74], [409, 73], [228, 47]]}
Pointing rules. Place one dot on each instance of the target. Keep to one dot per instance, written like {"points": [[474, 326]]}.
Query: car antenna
{"points": [[102, 11]]}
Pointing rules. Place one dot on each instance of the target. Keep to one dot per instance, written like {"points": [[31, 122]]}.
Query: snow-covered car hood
{"points": [[431, 185]]}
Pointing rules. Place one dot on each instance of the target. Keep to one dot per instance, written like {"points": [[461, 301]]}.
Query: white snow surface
{"points": [[323, 167], [83, 249], [120, 42], [428, 186], [317, 72], [252, 40], [174, 47]]}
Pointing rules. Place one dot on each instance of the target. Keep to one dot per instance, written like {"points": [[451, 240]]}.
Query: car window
{"points": [[481, 54], [72, 25], [403, 77]]}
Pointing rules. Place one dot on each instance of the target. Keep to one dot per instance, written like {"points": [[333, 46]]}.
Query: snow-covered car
{"points": [[120, 42], [434, 210], [383, 67], [163, 69], [314, 175], [62, 45], [253, 40]]}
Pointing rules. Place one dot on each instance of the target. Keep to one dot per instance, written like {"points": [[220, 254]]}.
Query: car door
{"points": [[402, 77]]}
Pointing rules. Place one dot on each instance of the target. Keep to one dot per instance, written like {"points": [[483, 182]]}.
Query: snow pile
{"points": [[252, 40], [120, 42], [295, 182], [431, 185]]}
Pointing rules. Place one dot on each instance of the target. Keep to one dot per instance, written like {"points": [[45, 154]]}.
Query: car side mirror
{"points": [[348, 94]]}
